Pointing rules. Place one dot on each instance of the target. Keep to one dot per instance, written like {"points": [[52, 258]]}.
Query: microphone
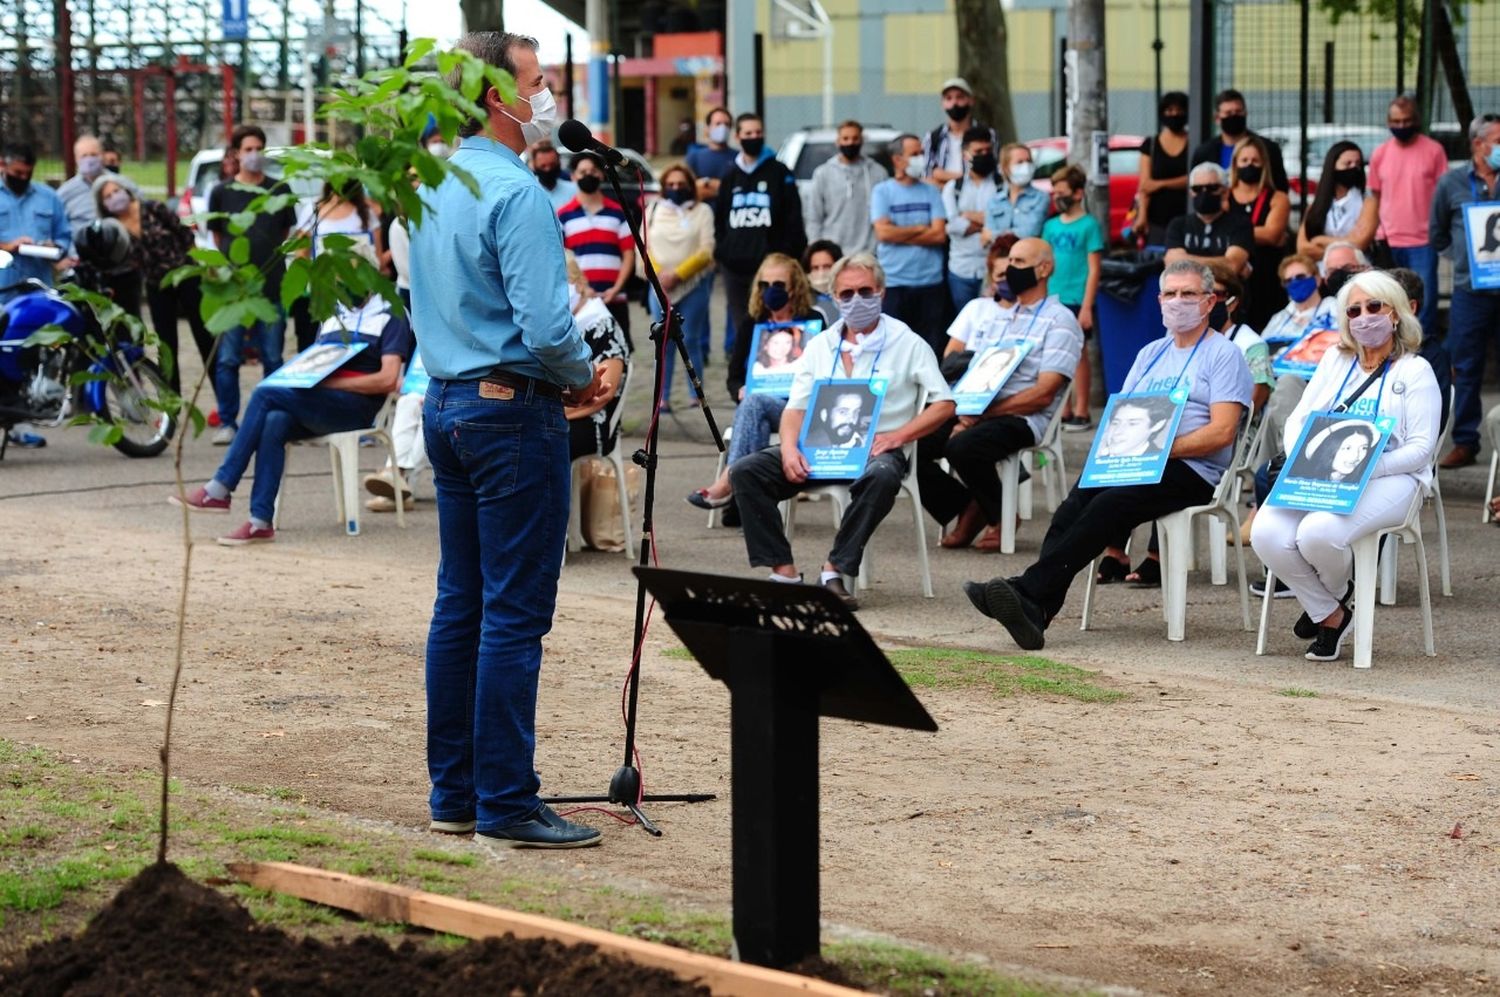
{"points": [[576, 136]]}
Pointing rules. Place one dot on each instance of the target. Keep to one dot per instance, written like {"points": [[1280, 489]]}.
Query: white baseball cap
{"points": [[960, 83]]}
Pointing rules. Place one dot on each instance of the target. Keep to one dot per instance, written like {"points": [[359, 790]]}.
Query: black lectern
{"points": [[789, 654]]}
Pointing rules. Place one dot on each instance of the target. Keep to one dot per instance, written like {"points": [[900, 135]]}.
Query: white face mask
{"points": [[90, 166], [439, 149], [916, 166], [1021, 173], [718, 134], [117, 202], [253, 161], [543, 117]]}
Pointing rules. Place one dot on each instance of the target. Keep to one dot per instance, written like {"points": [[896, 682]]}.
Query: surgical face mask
{"points": [[543, 117], [439, 149], [1372, 331], [549, 176], [589, 183], [1218, 316], [775, 297], [1404, 133], [1021, 279], [90, 166], [117, 202], [916, 166], [679, 195], [753, 147], [1493, 159], [1178, 315], [821, 281], [1022, 172], [253, 161], [1334, 282], [718, 134], [1299, 289], [1252, 174], [860, 313], [1003, 291], [983, 164]]}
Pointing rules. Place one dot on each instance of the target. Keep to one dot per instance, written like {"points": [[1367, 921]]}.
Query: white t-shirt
{"points": [[1050, 326], [906, 361], [1343, 212]]}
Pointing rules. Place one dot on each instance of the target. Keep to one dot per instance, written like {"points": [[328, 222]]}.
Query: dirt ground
{"points": [[1203, 835]]}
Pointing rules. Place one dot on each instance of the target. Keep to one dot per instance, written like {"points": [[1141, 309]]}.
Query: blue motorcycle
{"points": [[37, 382]]}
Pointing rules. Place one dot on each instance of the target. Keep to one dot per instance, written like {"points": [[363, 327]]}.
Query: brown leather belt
{"points": [[520, 383]]}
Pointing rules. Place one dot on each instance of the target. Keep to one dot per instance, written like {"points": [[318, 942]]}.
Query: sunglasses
{"points": [[766, 285], [1207, 188], [848, 293], [1371, 307]]}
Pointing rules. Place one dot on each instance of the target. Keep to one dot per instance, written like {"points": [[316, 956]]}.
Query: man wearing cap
{"points": [[943, 147]]}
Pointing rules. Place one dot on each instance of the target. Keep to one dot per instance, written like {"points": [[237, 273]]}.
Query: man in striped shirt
{"points": [[596, 230]]}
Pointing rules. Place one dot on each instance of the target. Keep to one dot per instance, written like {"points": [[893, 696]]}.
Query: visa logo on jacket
{"points": [[750, 209]]}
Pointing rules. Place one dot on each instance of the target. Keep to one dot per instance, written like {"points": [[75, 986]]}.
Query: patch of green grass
{"points": [[1002, 675], [44, 886], [1292, 692], [151, 175], [287, 835], [678, 654], [901, 971], [444, 858]]}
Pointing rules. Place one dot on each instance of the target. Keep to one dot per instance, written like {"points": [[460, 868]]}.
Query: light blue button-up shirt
{"points": [[489, 285], [38, 214], [1024, 218]]}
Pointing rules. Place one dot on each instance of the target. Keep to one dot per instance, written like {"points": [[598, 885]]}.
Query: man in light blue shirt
{"points": [[911, 228], [964, 201], [30, 214], [489, 292]]}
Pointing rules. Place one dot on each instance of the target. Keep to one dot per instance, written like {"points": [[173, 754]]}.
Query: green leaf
{"points": [[418, 50], [209, 257], [240, 222], [294, 284], [239, 251], [198, 419], [105, 434], [88, 377], [47, 335]]}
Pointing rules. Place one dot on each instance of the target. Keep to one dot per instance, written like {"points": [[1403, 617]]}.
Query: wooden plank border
{"points": [[386, 902]]}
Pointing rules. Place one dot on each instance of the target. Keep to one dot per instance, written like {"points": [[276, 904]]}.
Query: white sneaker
{"points": [[223, 436]]}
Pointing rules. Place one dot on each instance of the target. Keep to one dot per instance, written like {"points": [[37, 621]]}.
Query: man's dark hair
{"points": [[1172, 98], [1226, 96], [585, 157], [821, 246], [243, 132], [708, 118], [1411, 285], [22, 151], [747, 116], [978, 134], [544, 146], [850, 123], [897, 145], [493, 48]]}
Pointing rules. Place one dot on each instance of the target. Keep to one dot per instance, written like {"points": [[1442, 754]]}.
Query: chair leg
{"points": [[1218, 555], [396, 472], [1176, 534], [338, 484], [1060, 469], [1424, 587], [623, 486], [575, 507], [276, 509], [1024, 493], [1010, 476], [1239, 561], [1489, 489], [921, 529], [1265, 612], [1444, 573], [713, 514], [349, 483], [1366, 554], [1088, 595], [1390, 551]]}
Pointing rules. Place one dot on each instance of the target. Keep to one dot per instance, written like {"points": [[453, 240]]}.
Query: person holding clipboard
{"points": [[1375, 372], [866, 354]]}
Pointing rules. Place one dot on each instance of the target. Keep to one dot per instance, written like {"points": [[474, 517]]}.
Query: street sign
{"points": [[236, 20]]}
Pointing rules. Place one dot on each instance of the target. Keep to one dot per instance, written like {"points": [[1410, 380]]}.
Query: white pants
{"points": [[1310, 550], [406, 433]]}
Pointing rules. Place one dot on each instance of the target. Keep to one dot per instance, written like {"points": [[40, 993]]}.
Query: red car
{"points": [[1124, 173]]}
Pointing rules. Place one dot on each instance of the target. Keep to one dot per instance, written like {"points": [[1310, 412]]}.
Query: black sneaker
{"points": [[999, 600], [836, 586], [1306, 629], [1329, 643], [1258, 589], [543, 829]]}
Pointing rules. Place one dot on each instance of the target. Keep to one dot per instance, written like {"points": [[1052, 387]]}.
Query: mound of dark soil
{"points": [[166, 934]]}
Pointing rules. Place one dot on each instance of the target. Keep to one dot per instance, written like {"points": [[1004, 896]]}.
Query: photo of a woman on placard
{"points": [[1311, 349], [1338, 451], [779, 350]]}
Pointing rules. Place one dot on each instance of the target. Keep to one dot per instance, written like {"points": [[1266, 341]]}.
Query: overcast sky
{"points": [[440, 19]]}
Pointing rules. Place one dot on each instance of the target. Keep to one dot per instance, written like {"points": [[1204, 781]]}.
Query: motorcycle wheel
{"points": [[148, 430]]}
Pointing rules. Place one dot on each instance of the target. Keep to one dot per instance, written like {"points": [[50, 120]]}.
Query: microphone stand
{"points": [[625, 786]]}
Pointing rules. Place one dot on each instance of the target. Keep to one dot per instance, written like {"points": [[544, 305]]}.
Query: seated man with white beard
{"points": [[862, 345]]}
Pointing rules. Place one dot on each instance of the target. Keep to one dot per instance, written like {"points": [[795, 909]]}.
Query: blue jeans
{"points": [[693, 310], [963, 289], [277, 416], [500, 468], [268, 338], [1424, 260], [756, 418], [1473, 321]]}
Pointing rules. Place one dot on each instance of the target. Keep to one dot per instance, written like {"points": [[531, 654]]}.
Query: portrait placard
{"points": [[839, 427], [774, 352], [1134, 439], [308, 368], [1332, 462], [416, 380], [1482, 237], [987, 374], [1301, 358]]}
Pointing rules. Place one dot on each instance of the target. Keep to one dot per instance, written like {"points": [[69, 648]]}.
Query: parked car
{"points": [[808, 148], [1320, 138], [1124, 173], [203, 174]]}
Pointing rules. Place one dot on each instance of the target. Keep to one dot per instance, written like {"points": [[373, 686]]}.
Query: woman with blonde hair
{"points": [[680, 238], [1251, 191], [1374, 371]]}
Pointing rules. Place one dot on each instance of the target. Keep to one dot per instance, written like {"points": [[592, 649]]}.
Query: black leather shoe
{"points": [[543, 829], [999, 600], [836, 586]]}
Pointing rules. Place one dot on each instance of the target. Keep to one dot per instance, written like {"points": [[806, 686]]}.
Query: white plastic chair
{"points": [[1366, 555], [1491, 430], [1175, 534], [343, 455], [1390, 554], [615, 458], [1016, 497]]}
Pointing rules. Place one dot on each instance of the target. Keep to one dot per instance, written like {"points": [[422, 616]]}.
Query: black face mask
{"points": [[984, 164], [1218, 316], [1003, 290], [1174, 122], [775, 297], [589, 183], [958, 112], [549, 176], [1232, 125], [1252, 174], [1404, 133], [1335, 281], [752, 146], [1354, 176], [1208, 203], [1021, 279], [850, 152], [17, 185]]}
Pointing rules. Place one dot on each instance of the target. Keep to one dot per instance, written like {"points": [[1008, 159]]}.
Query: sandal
{"points": [[702, 500], [1111, 570], [1147, 576]]}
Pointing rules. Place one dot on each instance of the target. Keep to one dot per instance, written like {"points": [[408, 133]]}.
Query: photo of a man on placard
{"points": [[841, 415], [1134, 427]]}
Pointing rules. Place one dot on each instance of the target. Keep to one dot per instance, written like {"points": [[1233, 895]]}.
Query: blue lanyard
{"points": [[1034, 316], [1474, 189], [1379, 391], [1163, 352], [838, 351]]}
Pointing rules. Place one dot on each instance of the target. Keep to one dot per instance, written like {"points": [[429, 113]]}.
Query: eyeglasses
{"points": [[1207, 188], [1371, 307], [848, 293], [1181, 295], [766, 285]]}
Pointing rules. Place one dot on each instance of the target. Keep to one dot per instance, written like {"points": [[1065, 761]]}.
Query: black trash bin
{"points": [[1129, 316]]}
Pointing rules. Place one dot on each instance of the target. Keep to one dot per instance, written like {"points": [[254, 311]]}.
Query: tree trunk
{"points": [[983, 61], [483, 15], [1453, 68]]}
